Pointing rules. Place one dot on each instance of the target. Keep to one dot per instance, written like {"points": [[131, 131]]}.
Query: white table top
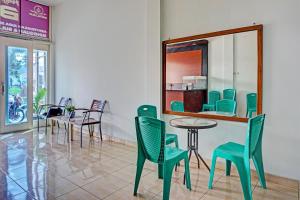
{"points": [[193, 123]]}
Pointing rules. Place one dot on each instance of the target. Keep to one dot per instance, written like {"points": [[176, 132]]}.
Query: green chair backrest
{"points": [[213, 97], [147, 111], [255, 133], [177, 106], [229, 94], [251, 101], [226, 105], [151, 137]]}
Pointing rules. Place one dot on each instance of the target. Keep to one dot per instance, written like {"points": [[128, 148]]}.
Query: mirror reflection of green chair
{"points": [[150, 134], [213, 97], [240, 155], [177, 106], [229, 94], [151, 111], [226, 105], [251, 104]]}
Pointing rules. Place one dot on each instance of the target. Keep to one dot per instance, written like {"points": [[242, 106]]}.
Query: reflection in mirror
{"points": [[216, 75]]}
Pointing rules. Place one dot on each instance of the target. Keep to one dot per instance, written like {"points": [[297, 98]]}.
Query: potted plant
{"points": [[71, 111]]}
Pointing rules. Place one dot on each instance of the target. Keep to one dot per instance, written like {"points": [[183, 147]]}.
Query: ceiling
{"points": [[49, 2]]}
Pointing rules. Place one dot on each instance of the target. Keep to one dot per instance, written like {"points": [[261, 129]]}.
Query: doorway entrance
{"points": [[23, 77]]}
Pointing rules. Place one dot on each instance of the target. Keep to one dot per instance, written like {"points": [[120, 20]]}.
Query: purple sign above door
{"points": [[10, 16], [24, 17], [34, 19]]}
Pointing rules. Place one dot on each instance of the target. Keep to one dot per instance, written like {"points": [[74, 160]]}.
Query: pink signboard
{"points": [[34, 19], [10, 16], [24, 17]]}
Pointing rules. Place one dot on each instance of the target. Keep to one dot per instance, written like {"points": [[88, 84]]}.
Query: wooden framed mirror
{"points": [[215, 75]]}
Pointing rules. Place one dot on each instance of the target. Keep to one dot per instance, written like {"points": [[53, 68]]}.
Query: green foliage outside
{"points": [[14, 91], [38, 98]]}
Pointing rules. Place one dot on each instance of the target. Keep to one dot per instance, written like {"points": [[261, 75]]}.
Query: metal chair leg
{"points": [[100, 130], [46, 126], [81, 136], [38, 119]]}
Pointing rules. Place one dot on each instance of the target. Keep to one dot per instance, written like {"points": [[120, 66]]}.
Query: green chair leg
{"points": [[160, 171], [139, 170], [168, 170], [212, 171], [176, 143], [228, 167], [259, 166], [177, 146], [245, 180], [187, 173]]}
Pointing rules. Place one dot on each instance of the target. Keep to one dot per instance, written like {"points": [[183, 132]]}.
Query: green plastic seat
{"points": [[213, 97], [240, 155], [226, 105], [177, 106], [150, 134], [251, 104], [229, 94], [151, 111]]}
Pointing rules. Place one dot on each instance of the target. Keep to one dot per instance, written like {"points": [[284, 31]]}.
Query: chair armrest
{"points": [[46, 105], [92, 111], [83, 109]]}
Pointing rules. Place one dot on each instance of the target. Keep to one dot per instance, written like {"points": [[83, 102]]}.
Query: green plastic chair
{"points": [[150, 134], [226, 105], [229, 94], [151, 111], [177, 106], [251, 104], [240, 155], [213, 97]]}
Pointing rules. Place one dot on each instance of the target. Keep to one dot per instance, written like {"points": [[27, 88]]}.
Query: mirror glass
{"points": [[215, 76]]}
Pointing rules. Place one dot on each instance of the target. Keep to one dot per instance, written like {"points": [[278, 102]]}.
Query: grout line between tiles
{"points": [[223, 175]]}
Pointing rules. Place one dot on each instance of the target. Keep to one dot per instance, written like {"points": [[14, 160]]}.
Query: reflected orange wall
{"points": [[187, 63]]}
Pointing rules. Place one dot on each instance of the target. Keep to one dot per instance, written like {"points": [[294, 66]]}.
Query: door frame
{"points": [[4, 43], [45, 46]]}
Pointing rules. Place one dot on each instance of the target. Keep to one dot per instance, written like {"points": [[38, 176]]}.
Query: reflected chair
{"points": [[226, 105], [229, 94], [240, 155], [150, 134], [47, 111], [177, 106], [97, 107], [251, 104], [151, 111], [213, 97]]}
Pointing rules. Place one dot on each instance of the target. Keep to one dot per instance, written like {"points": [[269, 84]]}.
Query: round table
{"points": [[193, 125]]}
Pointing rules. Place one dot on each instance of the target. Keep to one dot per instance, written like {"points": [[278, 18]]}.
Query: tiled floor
{"points": [[39, 166]]}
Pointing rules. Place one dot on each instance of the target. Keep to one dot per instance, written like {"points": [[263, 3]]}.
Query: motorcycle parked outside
{"points": [[16, 110]]}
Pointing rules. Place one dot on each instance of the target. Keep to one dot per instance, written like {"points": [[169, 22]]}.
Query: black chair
{"points": [[96, 107], [47, 111]]}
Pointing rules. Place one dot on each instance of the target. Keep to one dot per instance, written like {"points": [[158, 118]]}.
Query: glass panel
{"points": [[16, 81], [40, 65]]}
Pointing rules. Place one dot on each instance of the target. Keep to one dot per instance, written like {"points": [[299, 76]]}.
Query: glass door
{"points": [[40, 76], [16, 95]]}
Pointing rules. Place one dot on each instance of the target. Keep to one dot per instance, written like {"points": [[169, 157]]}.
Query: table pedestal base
{"points": [[193, 146]]}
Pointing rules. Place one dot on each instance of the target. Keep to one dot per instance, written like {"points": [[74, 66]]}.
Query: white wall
{"points": [[220, 63], [102, 52], [281, 70], [245, 68]]}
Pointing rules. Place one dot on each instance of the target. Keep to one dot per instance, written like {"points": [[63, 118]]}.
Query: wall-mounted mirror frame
{"points": [[258, 28]]}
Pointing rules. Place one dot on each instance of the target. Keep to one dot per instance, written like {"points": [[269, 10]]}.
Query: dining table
{"points": [[193, 127]]}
